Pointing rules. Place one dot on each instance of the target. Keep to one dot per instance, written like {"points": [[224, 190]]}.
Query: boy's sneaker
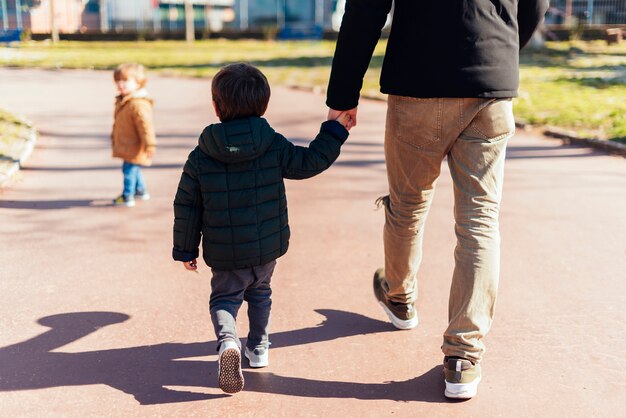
{"points": [[401, 315], [462, 378], [142, 195], [124, 201], [230, 377], [259, 357]]}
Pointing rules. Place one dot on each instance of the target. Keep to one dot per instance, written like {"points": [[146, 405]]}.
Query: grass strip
{"points": [[580, 86]]}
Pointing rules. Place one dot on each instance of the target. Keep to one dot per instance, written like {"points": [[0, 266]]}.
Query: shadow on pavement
{"points": [[138, 371], [560, 151], [116, 167], [338, 324], [359, 163], [348, 144], [106, 138], [53, 204], [425, 388], [147, 372]]}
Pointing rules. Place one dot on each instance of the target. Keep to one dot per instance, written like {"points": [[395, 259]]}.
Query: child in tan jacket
{"points": [[133, 138]]}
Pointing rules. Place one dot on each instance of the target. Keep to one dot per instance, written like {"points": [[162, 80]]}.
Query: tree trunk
{"points": [[104, 16], [54, 30], [189, 20]]}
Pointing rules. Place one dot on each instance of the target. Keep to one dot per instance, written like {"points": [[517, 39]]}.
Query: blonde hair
{"points": [[131, 69]]}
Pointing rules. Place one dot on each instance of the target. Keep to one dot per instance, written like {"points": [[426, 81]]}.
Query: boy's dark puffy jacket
{"points": [[232, 191]]}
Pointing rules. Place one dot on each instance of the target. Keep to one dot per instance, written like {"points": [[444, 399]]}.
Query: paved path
{"points": [[97, 320]]}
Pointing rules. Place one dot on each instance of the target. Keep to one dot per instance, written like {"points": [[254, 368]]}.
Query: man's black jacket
{"points": [[232, 192], [436, 48]]}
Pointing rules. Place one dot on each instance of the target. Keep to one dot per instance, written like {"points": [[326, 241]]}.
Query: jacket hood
{"points": [[139, 94], [237, 140]]}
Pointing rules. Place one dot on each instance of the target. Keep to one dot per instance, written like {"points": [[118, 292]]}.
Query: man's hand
{"points": [[344, 119], [350, 115], [150, 152], [191, 265]]}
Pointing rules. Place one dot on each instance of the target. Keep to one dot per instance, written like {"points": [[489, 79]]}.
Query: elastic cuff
{"points": [[339, 101], [336, 129], [179, 255]]}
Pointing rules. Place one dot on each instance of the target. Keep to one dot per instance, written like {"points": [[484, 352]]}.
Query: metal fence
{"points": [[163, 15], [588, 12], [215, 15]]}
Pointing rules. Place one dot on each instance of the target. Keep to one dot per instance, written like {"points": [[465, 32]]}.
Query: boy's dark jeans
{"points": [[229, 289]]}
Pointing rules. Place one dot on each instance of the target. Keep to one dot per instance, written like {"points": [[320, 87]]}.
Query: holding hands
{"points": [[346, 117], [191, 265]]}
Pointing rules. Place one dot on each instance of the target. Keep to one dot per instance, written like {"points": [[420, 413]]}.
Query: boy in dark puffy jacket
{"points": [[232, 194]]}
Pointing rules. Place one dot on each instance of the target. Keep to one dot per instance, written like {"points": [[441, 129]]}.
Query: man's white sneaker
{"points": [[230, 377], [401, 315], [462, 378], [259, 357]]}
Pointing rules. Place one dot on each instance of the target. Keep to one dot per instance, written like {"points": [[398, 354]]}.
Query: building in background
{"points": [[125, 16], [286, 17], [14, 14], [217, 15], [162, 15], [257, 14], [68, 14], [34, 15]]}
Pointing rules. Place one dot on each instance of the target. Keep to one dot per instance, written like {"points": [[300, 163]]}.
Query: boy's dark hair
{"points": [[240, 90]]}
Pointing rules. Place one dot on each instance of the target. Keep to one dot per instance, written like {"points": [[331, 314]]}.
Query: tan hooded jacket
{"points": [[133, 138]]}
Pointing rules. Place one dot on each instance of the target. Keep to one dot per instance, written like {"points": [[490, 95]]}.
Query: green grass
{"points": [[579, 86], [584, 91]]}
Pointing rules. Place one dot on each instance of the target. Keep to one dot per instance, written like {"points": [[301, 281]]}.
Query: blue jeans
{"points": [[133, 180]]}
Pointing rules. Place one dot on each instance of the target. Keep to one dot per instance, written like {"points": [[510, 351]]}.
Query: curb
{"points": [[568, 137], [6, 177]]}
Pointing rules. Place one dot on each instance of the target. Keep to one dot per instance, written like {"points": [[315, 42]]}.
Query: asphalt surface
{"points": [[97, 320]]}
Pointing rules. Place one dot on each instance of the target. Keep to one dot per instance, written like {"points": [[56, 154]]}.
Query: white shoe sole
{"points": [[130, 204], [397, 322], [230, 378], [142, 197], [461, 390], [256, 364]]}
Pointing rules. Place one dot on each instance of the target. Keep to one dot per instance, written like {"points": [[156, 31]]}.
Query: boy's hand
{"points": [[150, 152], [191, 265], [345, 120], [347, 117]]}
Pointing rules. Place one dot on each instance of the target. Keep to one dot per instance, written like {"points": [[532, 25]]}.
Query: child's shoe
{"points": [[142, 195], [124, 201], [259, 357], [230, 377]]}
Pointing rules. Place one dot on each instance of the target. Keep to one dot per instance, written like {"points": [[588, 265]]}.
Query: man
{"points": [[450, 69]]}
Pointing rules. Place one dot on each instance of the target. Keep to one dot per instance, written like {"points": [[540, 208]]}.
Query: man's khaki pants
{"points": [[472, 133]]}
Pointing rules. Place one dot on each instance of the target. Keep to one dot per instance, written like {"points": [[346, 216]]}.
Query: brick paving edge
{"points": [[14, 168], [601, 144]]}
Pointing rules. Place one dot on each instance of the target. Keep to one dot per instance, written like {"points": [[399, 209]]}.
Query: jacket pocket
{"points": [[414, 121], [494, 122]]}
